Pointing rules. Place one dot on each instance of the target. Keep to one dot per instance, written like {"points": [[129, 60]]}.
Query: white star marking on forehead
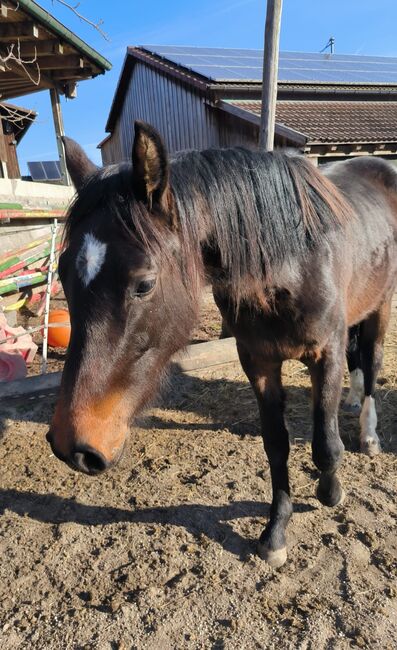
{"points": [[90, 258]]}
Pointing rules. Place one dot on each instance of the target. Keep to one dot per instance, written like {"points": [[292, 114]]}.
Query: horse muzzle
{"points": [[84, 458]]}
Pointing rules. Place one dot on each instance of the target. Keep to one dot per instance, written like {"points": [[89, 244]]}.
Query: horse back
{"points": [[365, 180], [370, 186]]}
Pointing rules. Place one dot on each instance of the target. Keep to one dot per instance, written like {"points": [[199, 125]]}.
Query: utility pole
{"points": [[270, 69]]}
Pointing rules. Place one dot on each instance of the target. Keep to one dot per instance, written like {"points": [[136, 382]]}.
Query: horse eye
{"points": [[144, 287]]}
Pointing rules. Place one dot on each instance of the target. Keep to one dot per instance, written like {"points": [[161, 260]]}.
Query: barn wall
{"points": [[176, 111], [234, 132], [181, 114], [111, 150]]}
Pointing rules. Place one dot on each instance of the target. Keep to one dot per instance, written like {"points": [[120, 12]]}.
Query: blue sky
{"points": [[358, 26]]}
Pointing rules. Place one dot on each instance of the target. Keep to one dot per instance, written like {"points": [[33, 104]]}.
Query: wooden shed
{"points": [[38, 53], [14, 122], [328, 106]]}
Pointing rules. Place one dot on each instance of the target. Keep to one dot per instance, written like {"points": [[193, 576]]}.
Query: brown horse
{"points": [[295, 258]]}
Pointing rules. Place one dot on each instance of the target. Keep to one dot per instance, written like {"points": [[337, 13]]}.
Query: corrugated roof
{"points": [[330, 121]]}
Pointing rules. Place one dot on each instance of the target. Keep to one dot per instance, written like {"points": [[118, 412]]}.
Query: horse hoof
{"points": [[341, 498], [371, 447], [354, 408], [331, 503], [275, 559]]}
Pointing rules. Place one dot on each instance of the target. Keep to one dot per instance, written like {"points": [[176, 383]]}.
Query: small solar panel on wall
{"points": [[45, 170]]}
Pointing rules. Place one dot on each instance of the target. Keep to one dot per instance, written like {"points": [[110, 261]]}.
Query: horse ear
{"points": [[79, 165], [149, 164]]}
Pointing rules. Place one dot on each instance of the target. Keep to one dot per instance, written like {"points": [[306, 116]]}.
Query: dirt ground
{"points": [[159, 554]]}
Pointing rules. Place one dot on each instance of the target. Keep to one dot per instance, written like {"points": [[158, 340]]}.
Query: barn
{"points": [[328, 105]]}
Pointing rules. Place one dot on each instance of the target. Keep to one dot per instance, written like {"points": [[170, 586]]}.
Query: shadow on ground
{"points": [[197, 519]]}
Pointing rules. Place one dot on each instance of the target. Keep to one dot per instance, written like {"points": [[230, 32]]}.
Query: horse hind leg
{"points": [[266, 382], [372, 334], [353, 401], [327, 447]]}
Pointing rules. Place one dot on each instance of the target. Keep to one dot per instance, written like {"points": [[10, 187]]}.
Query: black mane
{"points": [[255, 209], [261, 208]]}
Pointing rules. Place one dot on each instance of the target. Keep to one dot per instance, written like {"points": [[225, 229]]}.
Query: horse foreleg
{"points": [[373, 331], [266, 382], [327, 447]]}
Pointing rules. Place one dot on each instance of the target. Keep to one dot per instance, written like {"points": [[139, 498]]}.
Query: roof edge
{"points": [[46, 19], [298, 138]]}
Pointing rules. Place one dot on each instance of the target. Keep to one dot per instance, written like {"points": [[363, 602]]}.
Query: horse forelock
{"points": [[108, 196]]}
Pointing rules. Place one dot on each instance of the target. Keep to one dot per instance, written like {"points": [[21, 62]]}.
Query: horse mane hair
{"points": [[255, 210], [261, 208]]}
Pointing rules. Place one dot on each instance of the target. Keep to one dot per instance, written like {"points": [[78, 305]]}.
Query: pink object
{"points": [[16, 352], [12, 366]]}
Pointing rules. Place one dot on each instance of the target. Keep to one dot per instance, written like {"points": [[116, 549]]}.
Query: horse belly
{"points": [[371, 286], [281, 335]]}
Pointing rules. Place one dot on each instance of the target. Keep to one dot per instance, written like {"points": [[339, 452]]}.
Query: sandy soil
{"points": [[160, 553]]}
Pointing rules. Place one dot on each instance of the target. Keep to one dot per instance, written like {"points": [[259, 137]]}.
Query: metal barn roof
{"points": [[227, 65]]}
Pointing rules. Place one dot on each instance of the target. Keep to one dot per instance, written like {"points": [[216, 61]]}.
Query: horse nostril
{"points": [[89, 460]]}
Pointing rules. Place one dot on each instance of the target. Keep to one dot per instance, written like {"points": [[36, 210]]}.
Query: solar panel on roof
{"points": [[45, 170], [227, 64]]}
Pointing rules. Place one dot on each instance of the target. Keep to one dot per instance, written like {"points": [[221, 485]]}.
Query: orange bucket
{"points": [[59, 337]]}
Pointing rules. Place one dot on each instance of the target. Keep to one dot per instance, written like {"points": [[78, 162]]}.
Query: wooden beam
{"points": [[8, 75], [49, 46], [30, 69], [270, 70], [67, 61], [6, 85], [8, 31], [75, 73], [59, 132], [27, 90]]}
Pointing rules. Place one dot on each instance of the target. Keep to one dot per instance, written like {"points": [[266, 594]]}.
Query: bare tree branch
{"points": [[74, 9], [15, 117], [10, 57]]}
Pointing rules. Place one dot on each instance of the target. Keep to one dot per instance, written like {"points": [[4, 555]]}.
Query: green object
{"points": [[11, 206], [10, 262], [17, 286]]}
